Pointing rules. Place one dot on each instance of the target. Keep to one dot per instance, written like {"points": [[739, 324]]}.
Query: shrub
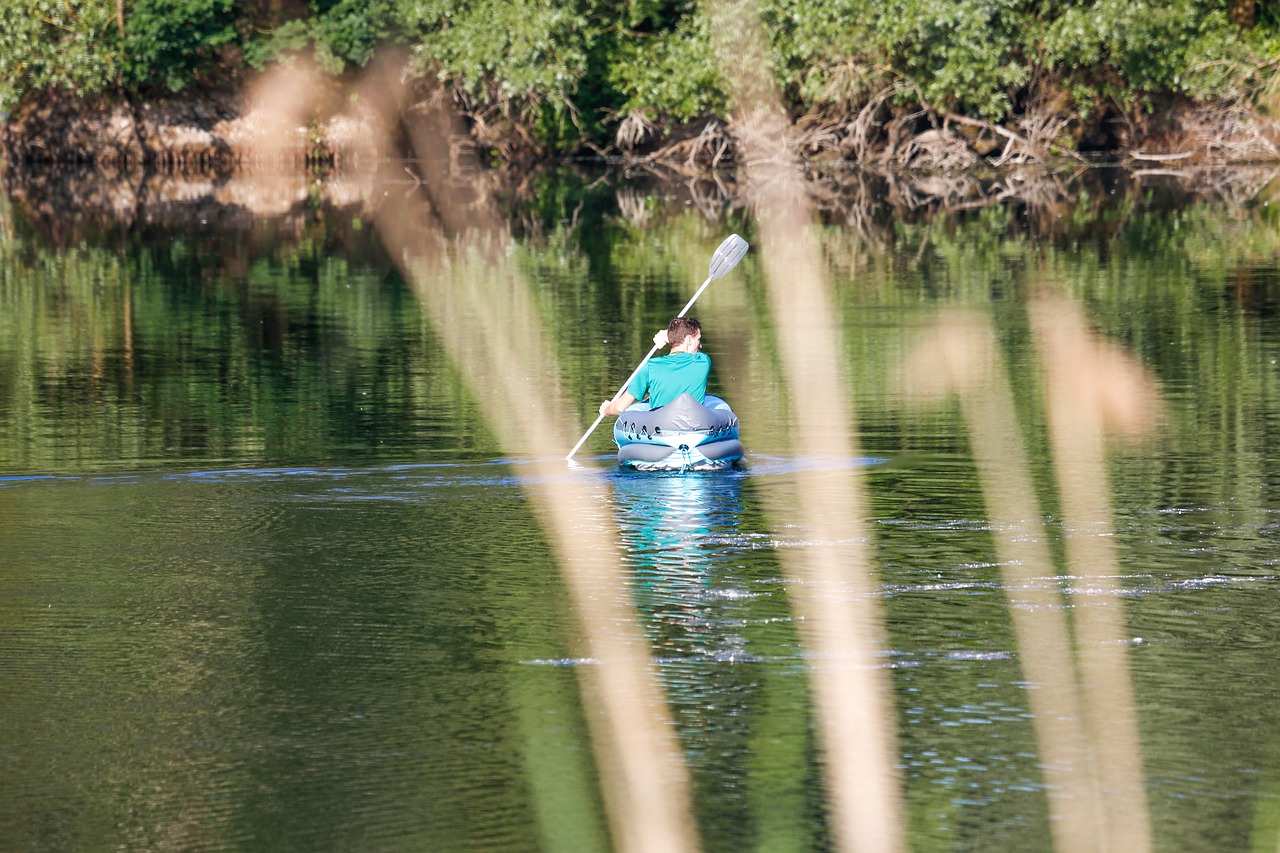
{"points": [[65, 44], [171, 43]]}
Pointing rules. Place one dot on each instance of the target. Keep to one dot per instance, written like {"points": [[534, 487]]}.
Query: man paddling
{"points": [[666, 377]]}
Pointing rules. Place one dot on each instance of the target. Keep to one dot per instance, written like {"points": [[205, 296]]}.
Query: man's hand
{"points": [[618, 406], [660, 339]]}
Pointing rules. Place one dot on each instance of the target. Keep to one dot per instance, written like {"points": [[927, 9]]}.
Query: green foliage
{"points": [[809, 70], [968, 56], [980, 57], [671, 75], [339, 35], [528, 57], [964, 55], [351, 31], [170, 43], [287, 38], [1185, 47], [67, 44], [566, 71]]}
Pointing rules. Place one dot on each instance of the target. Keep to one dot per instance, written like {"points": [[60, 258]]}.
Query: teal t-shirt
{"points": [[668, 376]]}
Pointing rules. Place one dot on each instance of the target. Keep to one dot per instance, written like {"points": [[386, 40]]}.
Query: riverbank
{"points": [[288, 122], [211, 133]]}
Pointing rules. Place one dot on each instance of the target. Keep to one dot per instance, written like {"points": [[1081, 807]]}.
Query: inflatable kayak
{"points": [[683, 435]]}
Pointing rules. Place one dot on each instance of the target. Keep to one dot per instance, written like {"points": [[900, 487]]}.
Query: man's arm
{"points": [[618, 405], [626, 398]]}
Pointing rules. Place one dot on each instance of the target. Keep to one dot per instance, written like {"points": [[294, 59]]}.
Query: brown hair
{"points": [[681, 328]]}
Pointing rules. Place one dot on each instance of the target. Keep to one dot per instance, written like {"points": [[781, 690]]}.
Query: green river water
{"points": [[271, 576]]}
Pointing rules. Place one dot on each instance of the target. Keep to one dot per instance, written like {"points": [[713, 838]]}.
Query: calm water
{"points": [[272, 578]]}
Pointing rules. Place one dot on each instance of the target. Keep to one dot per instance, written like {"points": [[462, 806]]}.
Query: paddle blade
{"points": [[727, 256]]}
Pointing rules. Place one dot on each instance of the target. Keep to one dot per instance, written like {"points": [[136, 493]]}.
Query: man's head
{"points": [[682, 328]]}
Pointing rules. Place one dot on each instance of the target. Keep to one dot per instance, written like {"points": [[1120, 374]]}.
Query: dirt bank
{"points": [[294, 123], [215, 133]]}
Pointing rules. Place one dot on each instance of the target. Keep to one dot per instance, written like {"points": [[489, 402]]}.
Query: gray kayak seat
{"points": [[683, 414]]}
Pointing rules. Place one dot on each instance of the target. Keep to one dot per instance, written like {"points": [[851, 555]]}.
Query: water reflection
{"points": [[677, 529], [713, 601]]}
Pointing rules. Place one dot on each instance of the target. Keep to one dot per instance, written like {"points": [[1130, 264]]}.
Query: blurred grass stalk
{"points": [[1082, 701], [835, 589], [1093, 389], [456, 254], [960, 355]]}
